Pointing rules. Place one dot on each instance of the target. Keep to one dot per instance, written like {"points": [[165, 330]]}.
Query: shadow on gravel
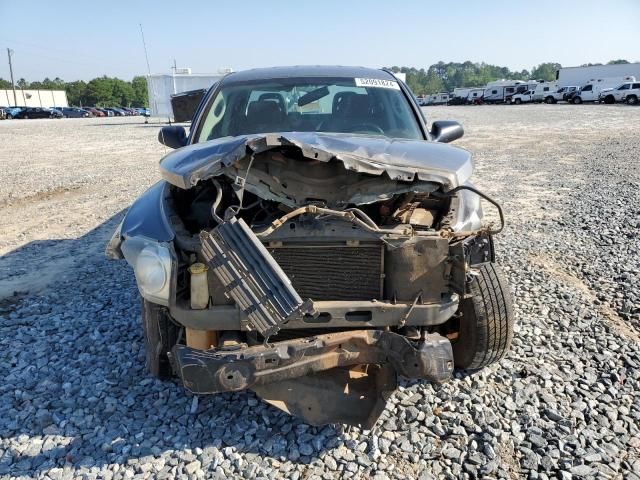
{"points": [[75, 391]]}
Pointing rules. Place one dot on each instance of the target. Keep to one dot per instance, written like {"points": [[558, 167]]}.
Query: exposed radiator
{"points": [[338, 272]]}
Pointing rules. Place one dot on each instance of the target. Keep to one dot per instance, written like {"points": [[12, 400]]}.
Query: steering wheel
{"points": [[364, 127]]}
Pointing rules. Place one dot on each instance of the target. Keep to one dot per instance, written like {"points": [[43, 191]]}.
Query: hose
{"points": [[347, 215], [216, 203]]}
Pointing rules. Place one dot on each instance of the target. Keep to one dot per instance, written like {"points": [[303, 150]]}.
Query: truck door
{"points": [[586, 94]]}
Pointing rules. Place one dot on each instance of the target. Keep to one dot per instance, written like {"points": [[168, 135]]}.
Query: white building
{"points": [[162, 86], [33, 98], [579, 76]]}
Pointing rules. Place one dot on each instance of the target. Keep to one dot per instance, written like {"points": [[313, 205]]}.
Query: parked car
{"points": [[613, 95], [11, 112], [38, 112], [311, 240], [73, 112], [145, 112], [93, 111], [116, 111], [106, 112], [524, 97]]}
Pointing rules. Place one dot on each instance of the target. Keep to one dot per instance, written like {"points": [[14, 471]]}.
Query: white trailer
{"points": [[461, 92], [544, 90], [499, 90], [162, 86], [475, 95], [34, 98], [582, 75], [441, 98]]}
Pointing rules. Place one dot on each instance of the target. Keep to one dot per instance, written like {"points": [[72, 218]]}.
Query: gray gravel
{"points": [[75, 400]]}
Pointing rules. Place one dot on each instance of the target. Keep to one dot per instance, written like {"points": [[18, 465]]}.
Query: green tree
{"points": [[545, 71], [4, 84], [76, 92], [617, 62], [122, 92], [22, 83], [100, 92], [140, 94]]}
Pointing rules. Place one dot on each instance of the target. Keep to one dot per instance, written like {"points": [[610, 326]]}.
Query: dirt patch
{"points": [[562, 275], [39, 196]]}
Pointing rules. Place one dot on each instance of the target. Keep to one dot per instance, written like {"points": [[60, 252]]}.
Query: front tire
{"points": [[550, 100], [518, 101], [160, 335], [577, 100], [486, 325], [632, 100]]}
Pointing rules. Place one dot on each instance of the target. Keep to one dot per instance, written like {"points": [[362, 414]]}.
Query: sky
{"points": [[79, 40]]}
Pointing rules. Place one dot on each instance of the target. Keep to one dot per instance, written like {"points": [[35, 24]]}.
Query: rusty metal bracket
{"points": [[218, 370]]}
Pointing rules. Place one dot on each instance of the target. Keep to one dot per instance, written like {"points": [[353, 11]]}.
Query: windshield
{"points": [[340, 105]]}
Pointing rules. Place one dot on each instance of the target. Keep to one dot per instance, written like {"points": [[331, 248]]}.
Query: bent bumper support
{"points": [[218, 370]]}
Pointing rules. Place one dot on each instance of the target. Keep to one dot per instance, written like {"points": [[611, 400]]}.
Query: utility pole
{"points": [[13, 85]]}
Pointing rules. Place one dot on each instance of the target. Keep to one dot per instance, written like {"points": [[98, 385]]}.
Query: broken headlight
{"points": [[152, 264], [469, 216]]}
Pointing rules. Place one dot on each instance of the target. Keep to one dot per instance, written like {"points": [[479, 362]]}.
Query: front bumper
{"points": [[331, 314], [228, 370]]}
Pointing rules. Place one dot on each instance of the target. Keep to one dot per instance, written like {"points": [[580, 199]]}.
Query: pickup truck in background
{"points": [[560, 94], [614, 95]]}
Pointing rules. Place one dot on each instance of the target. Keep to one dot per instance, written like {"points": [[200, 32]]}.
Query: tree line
{"points": [[444, 77], [100, 92]]}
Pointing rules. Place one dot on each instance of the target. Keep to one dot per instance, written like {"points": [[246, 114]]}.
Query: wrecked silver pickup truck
{"points": [[311, 240]]}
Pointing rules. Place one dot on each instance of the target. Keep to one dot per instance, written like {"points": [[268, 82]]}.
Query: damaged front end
{"points": [[324, 266]]}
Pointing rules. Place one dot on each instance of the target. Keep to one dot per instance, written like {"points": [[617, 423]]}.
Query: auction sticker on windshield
{"points": [[376, 82]]}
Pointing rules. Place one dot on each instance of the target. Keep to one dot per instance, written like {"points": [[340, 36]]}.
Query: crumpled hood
{"points": [[400, 159]]}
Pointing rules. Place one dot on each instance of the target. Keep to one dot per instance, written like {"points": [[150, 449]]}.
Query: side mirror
{"points": [[445, 131], [173, 136]]}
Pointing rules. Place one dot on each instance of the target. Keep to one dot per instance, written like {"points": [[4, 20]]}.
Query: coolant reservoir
{"points": [[199, 286]]}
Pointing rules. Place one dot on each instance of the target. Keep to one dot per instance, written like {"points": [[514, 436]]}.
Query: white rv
{"points": [[466, 95], [501, 90], [591, 91], [543, 90], [475, 95], [438, 99], [462, 92]]}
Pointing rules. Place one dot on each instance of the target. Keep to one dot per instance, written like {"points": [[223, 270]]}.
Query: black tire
{"points": [[518, 101], [609, 100], [160, 335], [632, 100], [549, 100], [486, 325], [577, 100]]}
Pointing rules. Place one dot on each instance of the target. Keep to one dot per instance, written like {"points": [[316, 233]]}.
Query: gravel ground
{"points": [[75, 400]]}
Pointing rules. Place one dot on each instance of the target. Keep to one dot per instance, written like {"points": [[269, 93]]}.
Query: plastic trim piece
{"points": [[251, 277]]}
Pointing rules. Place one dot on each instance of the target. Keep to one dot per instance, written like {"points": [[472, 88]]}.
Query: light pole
{"points": [[13, 85]]}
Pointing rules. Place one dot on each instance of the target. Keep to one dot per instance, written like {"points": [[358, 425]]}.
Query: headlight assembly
{"points": [[151, 262]]}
